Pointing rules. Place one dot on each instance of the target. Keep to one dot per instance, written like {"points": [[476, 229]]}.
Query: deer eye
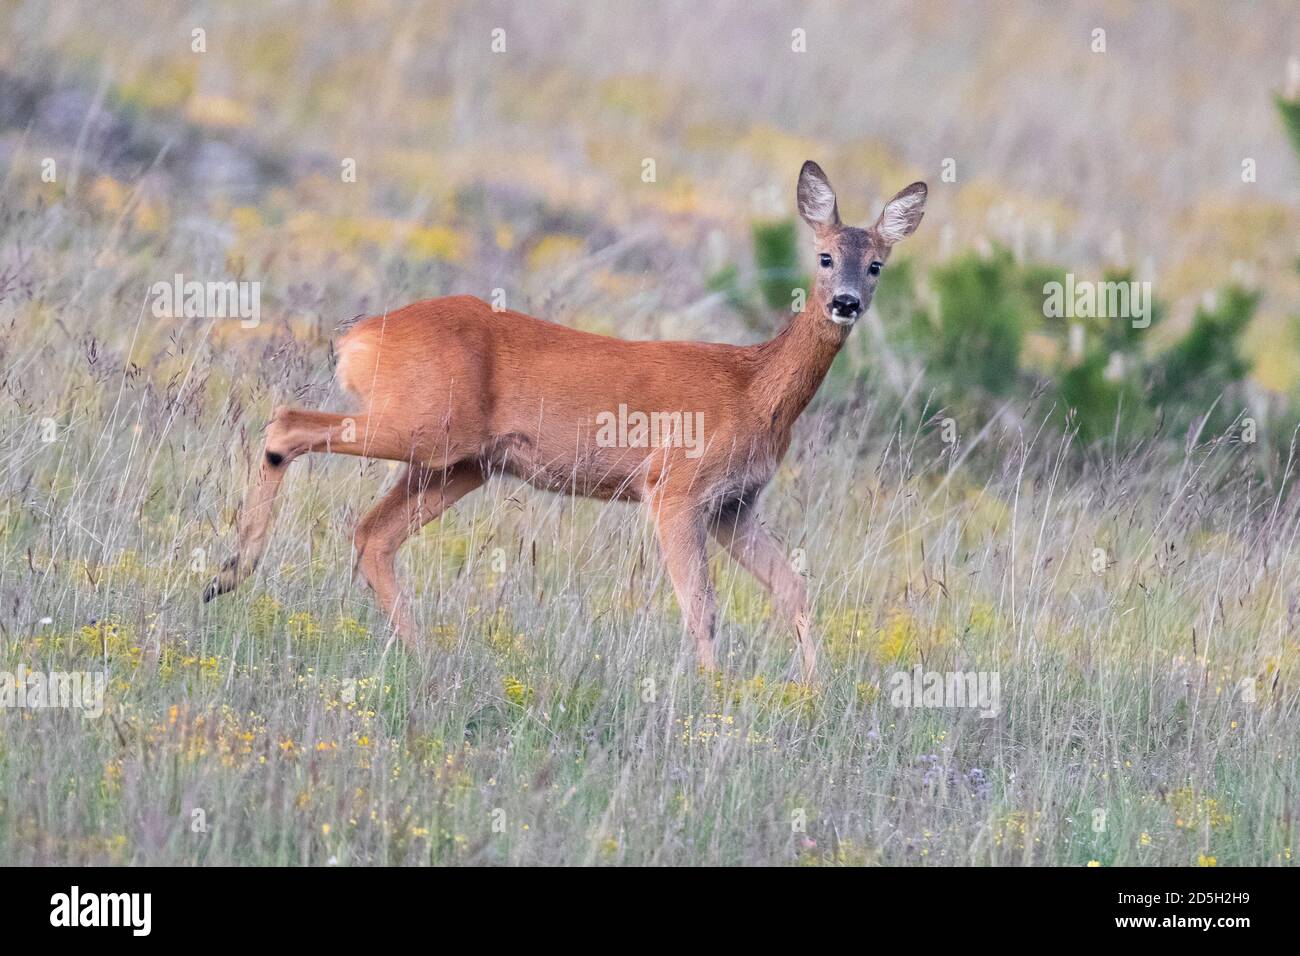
{"points": [[875, 267], [825, 260]]}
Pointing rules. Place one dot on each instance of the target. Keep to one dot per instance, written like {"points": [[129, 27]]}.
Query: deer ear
{"points": [[816, 198], [902, 214]]}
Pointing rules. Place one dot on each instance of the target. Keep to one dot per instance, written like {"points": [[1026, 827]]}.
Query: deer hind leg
{"points": [[738, 530], [293, 432], [682, 539], [420, 496]]}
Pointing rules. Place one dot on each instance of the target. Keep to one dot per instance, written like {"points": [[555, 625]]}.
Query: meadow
{"points": [[1136, 599]]}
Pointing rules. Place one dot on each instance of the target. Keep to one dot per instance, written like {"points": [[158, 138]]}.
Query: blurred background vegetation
{"points": [[503, 148]]}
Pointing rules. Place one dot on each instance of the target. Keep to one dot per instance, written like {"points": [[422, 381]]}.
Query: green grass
{"points": [[557, 716]]}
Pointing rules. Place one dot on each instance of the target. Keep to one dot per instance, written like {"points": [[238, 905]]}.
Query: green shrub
{"points": [[982, 314], [1104, 392], [1290, 110], [776, 256], [1206, 364]]}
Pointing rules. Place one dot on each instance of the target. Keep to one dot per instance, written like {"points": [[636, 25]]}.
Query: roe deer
{"points": [[459, 392]]}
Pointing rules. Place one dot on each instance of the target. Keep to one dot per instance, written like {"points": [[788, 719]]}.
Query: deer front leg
{"points": [[682, 539], [754, 549]]}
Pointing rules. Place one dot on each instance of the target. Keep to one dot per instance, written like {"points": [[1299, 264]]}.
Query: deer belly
{"points": [[572, 467]]}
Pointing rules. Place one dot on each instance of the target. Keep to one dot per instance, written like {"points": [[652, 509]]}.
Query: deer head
{"points": [[849, 259]]}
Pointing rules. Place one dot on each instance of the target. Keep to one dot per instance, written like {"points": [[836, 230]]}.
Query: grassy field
{"points": [[557, 717], [1138, 608]]}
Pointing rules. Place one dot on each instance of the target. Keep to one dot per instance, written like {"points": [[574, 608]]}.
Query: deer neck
{"points": [[792, 365]]}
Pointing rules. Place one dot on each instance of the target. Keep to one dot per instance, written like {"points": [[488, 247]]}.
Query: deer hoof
{"points": [[225, 581]]}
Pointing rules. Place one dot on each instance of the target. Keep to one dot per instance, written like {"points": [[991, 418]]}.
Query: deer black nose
{"points": [[846, 305]]}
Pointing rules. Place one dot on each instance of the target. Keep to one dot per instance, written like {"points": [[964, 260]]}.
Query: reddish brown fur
{"points": [[460, 392]]}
